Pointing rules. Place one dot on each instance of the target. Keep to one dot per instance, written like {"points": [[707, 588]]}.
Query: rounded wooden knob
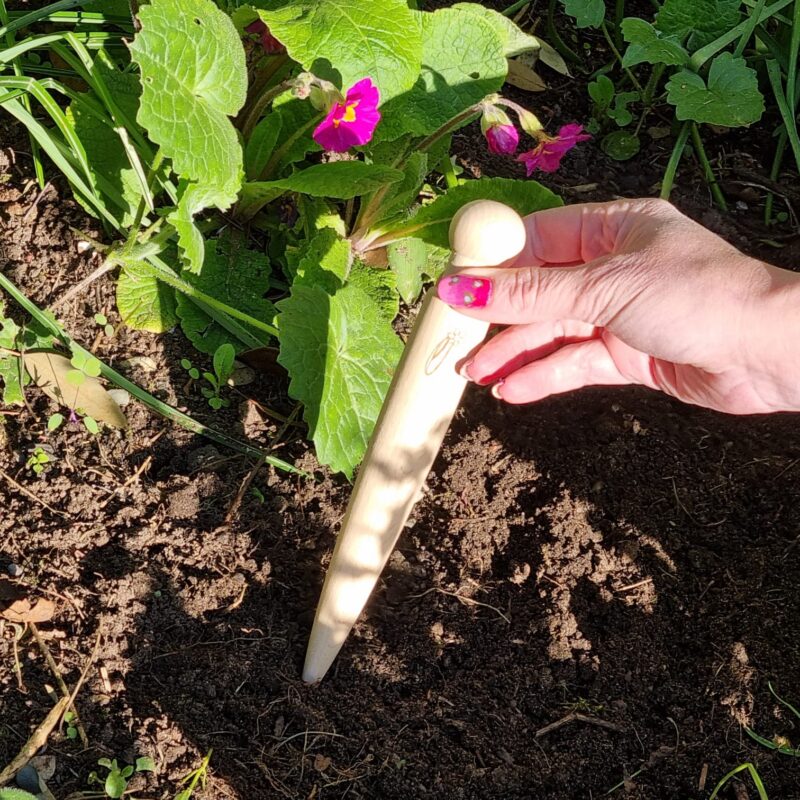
{"points": [[485, 233]]}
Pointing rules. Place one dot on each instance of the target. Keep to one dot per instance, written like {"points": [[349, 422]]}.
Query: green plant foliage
{"points": [[408, 259], [515, 41], [697, 22], [349, 39], [143, 302], [432, 222], [340, 352], [462, 62], [648, 45], [15, 794], [621, 145], [730, 97], [193, 79], [238, 277], [587, 13]]}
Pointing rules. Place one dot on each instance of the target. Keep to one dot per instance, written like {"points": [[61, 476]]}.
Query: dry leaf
{"points": [[550, 56], [22, 612], [49, 372], [523, 77]]}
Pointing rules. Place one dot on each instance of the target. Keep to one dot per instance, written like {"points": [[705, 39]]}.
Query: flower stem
{"points": [[674, 160], [449, 173], [260, 104], [711, 178], [634, 80], [448, 127]]}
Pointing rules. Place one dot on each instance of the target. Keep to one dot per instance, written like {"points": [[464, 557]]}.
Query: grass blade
{"points": [[774, 74], [35, 16]]}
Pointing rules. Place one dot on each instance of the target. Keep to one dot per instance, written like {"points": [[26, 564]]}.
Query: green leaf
{"points": [[462, 62], [408, 259], [234, 275], [340, 353], [144, 303], [586, 13], [647, 45], [731, 97], [261, 145], [145, 764], [349, 39], [223, 362], [54, 422], [380, 285], [515, 41], [339, 179], [601, 91], [432, 222], [110, 167], [324, 261], [194, 78], [115, 784], [13, 379], [91, 425], [397, 198], [697, 22], [16, 794], [620, 145]]}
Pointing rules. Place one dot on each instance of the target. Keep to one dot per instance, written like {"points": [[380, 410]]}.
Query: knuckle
{"points": [[524, 289]]}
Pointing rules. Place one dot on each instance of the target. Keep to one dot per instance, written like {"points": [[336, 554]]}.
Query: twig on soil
{"points": [[131, 479], [35, 202], [60, 681], [576, 717], [32, 496], [86, 668], [701, 783], [38, 739], [466, 600], [631, 586], [245, 485]]}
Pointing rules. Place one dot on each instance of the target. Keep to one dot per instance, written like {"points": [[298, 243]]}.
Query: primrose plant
{"points": [[260, 169]]}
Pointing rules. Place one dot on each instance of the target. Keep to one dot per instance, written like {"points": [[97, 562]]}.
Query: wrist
{"points": [[777, 357]]}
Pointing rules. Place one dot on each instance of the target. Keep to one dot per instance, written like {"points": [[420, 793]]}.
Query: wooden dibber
{"points": [[416, 414]]}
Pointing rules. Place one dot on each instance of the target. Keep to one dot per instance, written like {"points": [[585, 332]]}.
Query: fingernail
{"points": [[462, 370], [464, 291], [496, 388]]}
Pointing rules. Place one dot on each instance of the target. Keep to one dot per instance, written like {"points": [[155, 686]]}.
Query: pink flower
{"points": [[547, 155], [353, 122], [502, 139], [270, 44]]}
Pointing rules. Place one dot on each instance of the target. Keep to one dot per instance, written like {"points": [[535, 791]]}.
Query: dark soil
{"points": [[611, 553]]}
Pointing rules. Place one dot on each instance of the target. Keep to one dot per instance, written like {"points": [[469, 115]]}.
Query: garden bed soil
{"points": [[611, 554]]}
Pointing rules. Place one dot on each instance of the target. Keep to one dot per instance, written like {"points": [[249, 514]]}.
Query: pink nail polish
{"points": [[464, 291]]}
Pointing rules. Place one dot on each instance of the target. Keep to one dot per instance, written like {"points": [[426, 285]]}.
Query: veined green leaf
{"points": [[697, 22], [193, 79], [347, 40], [515, 40], [432, 222], [237, 277], [408, 259], [462, 62], [730, 98], [340, 352], [647, 45], [143, 302]]}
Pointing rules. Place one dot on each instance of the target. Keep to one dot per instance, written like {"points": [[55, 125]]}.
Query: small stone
{"points": [[83, 247], [28, 779], [242, 375], [120, 396], [15, 570]]}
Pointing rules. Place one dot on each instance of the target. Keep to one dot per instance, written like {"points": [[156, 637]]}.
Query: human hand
{"points": [[634, 292]]}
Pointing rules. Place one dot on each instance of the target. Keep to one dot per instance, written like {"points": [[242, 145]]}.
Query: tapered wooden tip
{"points": [[419, 407]]}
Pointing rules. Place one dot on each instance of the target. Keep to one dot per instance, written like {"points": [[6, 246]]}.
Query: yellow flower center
{"points": [[349, 114]]}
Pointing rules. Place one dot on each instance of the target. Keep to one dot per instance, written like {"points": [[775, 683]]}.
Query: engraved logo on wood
{"points": [[441, 351]]}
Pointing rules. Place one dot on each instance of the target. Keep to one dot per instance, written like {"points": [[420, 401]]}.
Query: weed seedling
{"points": [[103, 322], [115, 783], [197, 777], [779, 743], [37, 461]]}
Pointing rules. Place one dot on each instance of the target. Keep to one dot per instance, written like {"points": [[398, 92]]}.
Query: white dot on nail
{"points": [[468, 298], [477, 284]]}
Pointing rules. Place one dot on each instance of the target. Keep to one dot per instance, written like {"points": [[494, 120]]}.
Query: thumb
{"points": [[515, 296]]}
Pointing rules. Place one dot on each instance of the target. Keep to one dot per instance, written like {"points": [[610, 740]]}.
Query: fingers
{"points": [[519, 295], [514, 347], [572, 367], [574, 234]]}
